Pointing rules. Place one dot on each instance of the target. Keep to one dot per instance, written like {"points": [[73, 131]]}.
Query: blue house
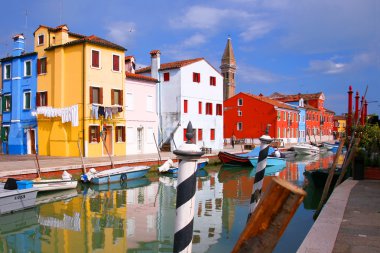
{"points": [[301, 122], [19, 76]]}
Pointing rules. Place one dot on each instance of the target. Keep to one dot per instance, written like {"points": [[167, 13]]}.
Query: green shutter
{"points": [[3, 103]]}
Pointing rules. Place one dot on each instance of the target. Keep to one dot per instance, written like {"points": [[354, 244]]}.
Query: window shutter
{"points": [[100, 95], [38, 66], [10, 102], [112, 96], [46, 97], [123, 133], [184, 134], [91, 97], [89, 134], [200, 107], [3, 104], [199, 77], [121, 97], [194, 77], [38, 99], [116, 63], [98, 133]]}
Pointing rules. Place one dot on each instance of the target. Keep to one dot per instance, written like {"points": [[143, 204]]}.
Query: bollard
{"points": [[188, 155], [260, 170]]}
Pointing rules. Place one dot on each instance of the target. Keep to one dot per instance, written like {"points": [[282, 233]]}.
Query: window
{"points": [[219, 109], [27, 68], [278, 115], [200, 107], [149, 103], [200, 134], [120, 134], [96, 95], [184, 134], [116, 63], [7, 71], [150, 135], [116, 97], [196, 77], [41, 39], [130, 135], [5, 133], [94, 134], [240, 113], [95, 59], [27, 102], [278, 132], [166, 76], [41, 66], [208, 108], [7, 103], [129, 103], [239, 126], [185, 106], [212, 134], [212, 80], [240, 102], [41, 99]]}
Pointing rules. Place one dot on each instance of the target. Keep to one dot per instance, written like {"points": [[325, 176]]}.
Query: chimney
{"points": [[155, 63], [130, 64], [18, 44]]}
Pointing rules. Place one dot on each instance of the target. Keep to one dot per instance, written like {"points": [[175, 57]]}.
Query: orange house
{"points": [[246, 116]]}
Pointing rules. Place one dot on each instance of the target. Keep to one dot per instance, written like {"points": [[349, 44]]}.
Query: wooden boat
{"points": [[172, 168], [16, 199], [233, 160], [271, 161], [114, 175], [306, 149], [65, 183]]}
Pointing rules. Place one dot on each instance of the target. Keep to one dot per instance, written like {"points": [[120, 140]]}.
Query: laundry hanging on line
{"points": [[67, 114]]}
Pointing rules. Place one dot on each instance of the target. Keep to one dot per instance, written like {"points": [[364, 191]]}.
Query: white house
{"points": [[188, 90], [141, 115]]}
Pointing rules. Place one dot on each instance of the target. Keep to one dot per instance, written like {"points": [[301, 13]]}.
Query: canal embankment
{"points": [[349, 221]]}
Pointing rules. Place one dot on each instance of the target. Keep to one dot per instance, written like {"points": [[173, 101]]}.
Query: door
{"points": [[31, 141], [107, 138], [140, 138]]}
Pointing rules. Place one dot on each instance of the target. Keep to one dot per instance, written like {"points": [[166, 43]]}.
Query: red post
{"points": [[356, 107], [365, 111], [362, 111], [349, 115]]}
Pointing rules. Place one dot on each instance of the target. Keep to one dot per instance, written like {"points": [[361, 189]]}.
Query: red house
{"points": [[246, 116], [319, 120]]}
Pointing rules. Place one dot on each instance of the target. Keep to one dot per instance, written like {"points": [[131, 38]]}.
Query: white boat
{"points": [[305, 149], [65, 183], [18, 199]]}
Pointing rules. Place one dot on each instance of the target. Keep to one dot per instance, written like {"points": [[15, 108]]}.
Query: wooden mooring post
{"points": [[270, 218]]}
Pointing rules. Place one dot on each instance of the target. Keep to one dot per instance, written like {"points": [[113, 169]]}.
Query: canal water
{"points": [[140, 215]]}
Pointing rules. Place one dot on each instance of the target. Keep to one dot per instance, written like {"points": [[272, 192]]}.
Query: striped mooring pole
{"points": [[188, 155], [260, 170]]}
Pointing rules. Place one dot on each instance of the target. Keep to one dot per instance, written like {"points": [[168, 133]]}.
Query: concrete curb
{"points": [[322, 236]]}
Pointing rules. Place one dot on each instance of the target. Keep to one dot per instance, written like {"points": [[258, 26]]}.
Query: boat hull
{"points": [[200, 166], [233, 160], [119, 174], [54, 184], [306, 149], [271, 161], [14, 200]]}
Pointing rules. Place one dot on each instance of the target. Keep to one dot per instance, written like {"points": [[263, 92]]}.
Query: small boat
{"points": [[333, 147], [170, 167], [65, 183], [233, 159], [17, 195], [306, 149], [114, 175], [271, 161]]}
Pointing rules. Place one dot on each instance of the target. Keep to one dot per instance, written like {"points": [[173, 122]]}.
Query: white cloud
{"points": [[256, 30], [195, 40], [121, 32], [327, 66]]}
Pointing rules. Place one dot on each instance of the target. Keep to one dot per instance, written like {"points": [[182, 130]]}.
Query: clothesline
{"points": [[107, 112], [67, 114]]}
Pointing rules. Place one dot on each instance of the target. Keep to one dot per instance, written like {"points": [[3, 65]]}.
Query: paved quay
{"points": [[349, 222]]}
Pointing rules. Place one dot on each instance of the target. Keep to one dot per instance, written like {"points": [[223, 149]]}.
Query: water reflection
{"points": [[140, 216]]}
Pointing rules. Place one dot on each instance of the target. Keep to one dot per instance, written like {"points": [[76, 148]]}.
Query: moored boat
{"points": [[65, 183], [271, 161], [233, 160], [306, 149], [170, 167], [14, 199], [114, 175]]}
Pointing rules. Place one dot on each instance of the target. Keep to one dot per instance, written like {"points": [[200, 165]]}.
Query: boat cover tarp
{"points": [[256, 151]]}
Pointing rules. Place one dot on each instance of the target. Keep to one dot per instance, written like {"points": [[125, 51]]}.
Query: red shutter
{"points": [[199, 77], [38, 99], [112, 96], [123, 133], [200, 137], [95, 59], [116, 64], [184, 134], [38, 66], [89, 134], [98, 133], [194, 77], [46, 102], [91, 97], [166, 76], [200, 107], [121, 97], [185, 106], [212, 134], [100, 95]]}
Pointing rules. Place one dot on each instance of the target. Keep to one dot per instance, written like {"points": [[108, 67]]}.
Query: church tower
{"points": [[228, 69]]}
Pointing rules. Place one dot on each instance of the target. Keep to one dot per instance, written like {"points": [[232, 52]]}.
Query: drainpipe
{"points": [[84, 92]]}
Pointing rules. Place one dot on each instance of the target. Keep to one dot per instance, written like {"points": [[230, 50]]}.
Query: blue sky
{"points": [[282, 46]]}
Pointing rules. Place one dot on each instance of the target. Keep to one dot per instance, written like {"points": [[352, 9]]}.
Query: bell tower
{"points": [[228, 69]]}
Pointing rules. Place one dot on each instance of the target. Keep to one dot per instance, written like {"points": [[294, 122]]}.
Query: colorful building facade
{"points": [[246, 116], [339, 129], [80, 93], [19, 80]]}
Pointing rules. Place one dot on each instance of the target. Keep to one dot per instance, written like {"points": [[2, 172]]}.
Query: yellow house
{"points": [[79, 94], [339, 126]]}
